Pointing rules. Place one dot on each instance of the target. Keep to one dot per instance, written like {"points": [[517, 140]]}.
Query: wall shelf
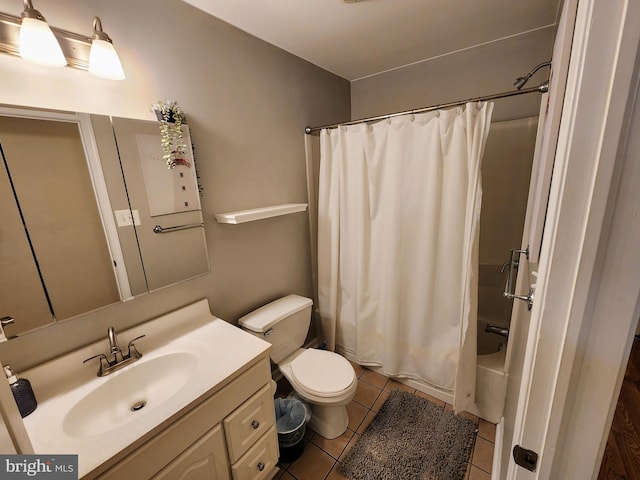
{"points": [[243, 216]]}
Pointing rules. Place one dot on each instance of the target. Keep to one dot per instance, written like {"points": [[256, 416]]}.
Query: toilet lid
{"points": [[322, 372]]}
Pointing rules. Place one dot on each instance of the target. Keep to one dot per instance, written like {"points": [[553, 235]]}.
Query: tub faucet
{"points": [[502, 331]]}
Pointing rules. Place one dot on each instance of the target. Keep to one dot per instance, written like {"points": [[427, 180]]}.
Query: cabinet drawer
{"points": [[259, 462], [204, 460], [249, 422]]}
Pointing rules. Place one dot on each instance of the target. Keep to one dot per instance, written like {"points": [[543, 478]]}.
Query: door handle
{"points": [[512, 265]]}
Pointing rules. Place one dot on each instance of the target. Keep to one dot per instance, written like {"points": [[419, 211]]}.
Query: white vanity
{"points": [[197, 405]]}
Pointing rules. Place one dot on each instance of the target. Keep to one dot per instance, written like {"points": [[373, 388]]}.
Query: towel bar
{"points": [[159, 229]]}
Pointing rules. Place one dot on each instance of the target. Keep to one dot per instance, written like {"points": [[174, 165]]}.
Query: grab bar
{"points": [[159, 229], [509, 289]]}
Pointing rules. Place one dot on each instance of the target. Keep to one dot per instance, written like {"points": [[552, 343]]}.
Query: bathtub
{"points": [[491, 375]]}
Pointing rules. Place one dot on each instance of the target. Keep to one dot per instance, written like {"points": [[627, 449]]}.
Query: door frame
{"points": [[581, 323]]}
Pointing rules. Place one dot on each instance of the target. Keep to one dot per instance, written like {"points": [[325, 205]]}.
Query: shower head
{"points": [[521, 81]]}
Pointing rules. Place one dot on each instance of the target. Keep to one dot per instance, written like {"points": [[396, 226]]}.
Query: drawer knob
{"points": [[255, 424], [261, 466]]}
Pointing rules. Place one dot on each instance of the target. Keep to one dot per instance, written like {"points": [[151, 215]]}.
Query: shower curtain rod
{"points": [[542, 88]]}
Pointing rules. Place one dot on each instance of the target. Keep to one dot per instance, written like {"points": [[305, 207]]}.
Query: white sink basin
{"points": [[128, 394], [186, 356]]}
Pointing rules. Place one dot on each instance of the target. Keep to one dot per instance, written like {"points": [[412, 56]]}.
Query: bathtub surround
{"points": [[506, 172], [398, 213]]}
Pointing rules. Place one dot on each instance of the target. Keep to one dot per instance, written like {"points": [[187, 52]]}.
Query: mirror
{"points": [[165, 203], [68, 244]]}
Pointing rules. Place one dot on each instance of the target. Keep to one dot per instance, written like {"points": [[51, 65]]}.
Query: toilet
{"points": [[321, 378]]}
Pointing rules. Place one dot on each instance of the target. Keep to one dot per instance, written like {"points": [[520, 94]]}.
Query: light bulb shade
{"points": [[104, 61], [38, 43]]}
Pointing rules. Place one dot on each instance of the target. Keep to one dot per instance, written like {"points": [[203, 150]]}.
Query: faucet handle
{"points": [[131, 345], [101, 356]]}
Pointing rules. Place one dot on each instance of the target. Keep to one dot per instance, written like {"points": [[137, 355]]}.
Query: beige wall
{"points": [[247, 103], [482, 70]]}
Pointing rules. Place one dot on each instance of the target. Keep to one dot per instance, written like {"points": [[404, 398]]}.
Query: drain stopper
{"points": [[138, 405]]}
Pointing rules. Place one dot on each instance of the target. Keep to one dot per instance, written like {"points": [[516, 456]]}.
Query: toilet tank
{"points": [[284, 323]]}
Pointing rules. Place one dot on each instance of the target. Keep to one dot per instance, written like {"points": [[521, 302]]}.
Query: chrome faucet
{"points": [[502, 331], [114, 348], [109, 366]]}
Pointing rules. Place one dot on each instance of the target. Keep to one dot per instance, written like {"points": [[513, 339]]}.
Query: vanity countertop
{"points": [[187, 355]]}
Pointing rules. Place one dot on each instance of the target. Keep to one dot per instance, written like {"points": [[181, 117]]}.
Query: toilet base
{"points": [[329, 421]]}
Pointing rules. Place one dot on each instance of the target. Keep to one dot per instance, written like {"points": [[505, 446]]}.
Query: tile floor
{"points": [[321, 456]]}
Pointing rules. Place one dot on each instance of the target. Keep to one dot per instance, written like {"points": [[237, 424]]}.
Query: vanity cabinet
{"points": [[204, 460], [230, 434]]}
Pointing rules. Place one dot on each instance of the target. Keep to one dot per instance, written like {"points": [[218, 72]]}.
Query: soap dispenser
{"points": [[22, 392]]}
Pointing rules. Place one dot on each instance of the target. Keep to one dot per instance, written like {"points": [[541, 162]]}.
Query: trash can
{"points": [[291, 415]]}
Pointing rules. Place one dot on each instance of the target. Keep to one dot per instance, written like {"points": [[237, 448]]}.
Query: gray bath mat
{"points": [[411, 438]]}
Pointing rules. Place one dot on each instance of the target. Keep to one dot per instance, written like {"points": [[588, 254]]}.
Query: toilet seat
{"points": [[322, 373]]}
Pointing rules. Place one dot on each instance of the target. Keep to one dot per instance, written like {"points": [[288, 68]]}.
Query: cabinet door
{"points": [[204, 460]]}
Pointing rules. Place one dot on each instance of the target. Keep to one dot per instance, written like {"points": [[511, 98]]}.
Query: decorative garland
{"points": [[171, 119]]}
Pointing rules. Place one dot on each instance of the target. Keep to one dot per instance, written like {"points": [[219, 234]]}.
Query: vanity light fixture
{"points": [[31, 38], [37, 42], [103, 59]]}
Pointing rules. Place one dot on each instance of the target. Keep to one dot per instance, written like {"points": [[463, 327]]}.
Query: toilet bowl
{"points": [[323, 379]]}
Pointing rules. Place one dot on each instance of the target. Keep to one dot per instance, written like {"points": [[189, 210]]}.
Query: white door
{"points": [[573, 358], [542, 168]]}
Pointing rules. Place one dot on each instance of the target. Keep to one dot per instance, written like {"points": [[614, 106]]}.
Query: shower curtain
{"points": [[398, 213]]}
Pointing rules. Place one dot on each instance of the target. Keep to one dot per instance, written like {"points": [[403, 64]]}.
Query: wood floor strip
{"points": [[621, 459]]}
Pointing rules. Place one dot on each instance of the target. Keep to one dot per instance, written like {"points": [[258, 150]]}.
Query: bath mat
{"points": [[411, 438]]}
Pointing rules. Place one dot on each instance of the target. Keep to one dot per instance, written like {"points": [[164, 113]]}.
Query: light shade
{"points": [[38, 43], [103, 58], [104, 61]]}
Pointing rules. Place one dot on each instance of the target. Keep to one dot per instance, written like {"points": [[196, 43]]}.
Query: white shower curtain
{"points": [[398, 212]]}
